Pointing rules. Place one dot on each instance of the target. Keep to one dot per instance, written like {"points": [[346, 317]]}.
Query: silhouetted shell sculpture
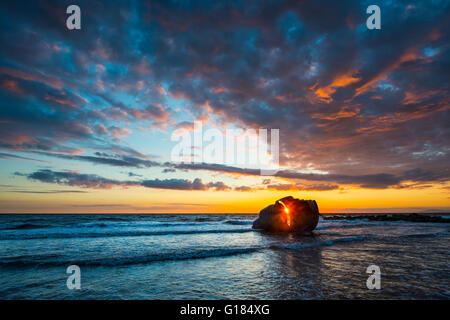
{"points": [[289, 215]]}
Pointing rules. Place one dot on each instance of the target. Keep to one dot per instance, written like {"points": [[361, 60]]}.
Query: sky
{"points": [[88, 116]]}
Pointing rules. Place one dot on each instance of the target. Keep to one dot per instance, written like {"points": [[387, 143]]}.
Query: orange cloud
{"points": [[15, 73], [119, 133], [61, 101], [11, 85], [324, 93], [345, 112], [416, 97], [390, 122], [409, 55]]}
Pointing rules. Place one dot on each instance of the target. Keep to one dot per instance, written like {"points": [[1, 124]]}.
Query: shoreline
{"points": [[411, 217]]}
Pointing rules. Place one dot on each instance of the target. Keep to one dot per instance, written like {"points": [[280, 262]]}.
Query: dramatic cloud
{"points": [[107, 159], [183, 184], [75, 179], [368, 108], [97, 182], [373, 181]]}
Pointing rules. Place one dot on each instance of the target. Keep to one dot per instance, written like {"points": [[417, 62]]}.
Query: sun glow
{"points": [[288, 216]]}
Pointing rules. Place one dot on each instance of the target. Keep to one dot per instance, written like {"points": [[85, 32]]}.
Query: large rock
{"points": [[289, 215]]}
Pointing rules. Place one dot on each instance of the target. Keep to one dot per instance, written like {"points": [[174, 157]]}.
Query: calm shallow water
{"points": [[218, 257]]}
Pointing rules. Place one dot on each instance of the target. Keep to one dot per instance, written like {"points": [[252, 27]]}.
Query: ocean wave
{"points": [[117, 261], [319, 244], [238, 222], [100, 225], [355, 224], [117, 218], [27, 258], [114, 233], [88, 225], [24, 226], [129, 224], [212, 218], [56, 260], [424, 235], [200, 254]]}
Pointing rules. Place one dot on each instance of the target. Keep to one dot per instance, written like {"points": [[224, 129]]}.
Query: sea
{"points": [[219, 256]]}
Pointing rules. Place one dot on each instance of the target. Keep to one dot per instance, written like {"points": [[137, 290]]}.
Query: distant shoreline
{"points": [[387, 213], [411, 217]]}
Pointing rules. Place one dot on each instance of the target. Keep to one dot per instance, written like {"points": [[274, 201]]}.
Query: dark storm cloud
{"points": [[373, 181], [93, 181], [302, 187], [184, 184], [71, 178], [367, 106], [116, 160], [317, 187]]}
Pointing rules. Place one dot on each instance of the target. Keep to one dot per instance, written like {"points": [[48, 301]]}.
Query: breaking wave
{"points": [[54, 260], [23, 226], [112, 233], [238, 222], [320, 244]]}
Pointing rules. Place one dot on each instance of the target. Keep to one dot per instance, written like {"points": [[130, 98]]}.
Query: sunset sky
{"points": [[87, 115]]}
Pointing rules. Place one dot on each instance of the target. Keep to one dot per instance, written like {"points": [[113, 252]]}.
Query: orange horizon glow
{"points": [[143, 200]]}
